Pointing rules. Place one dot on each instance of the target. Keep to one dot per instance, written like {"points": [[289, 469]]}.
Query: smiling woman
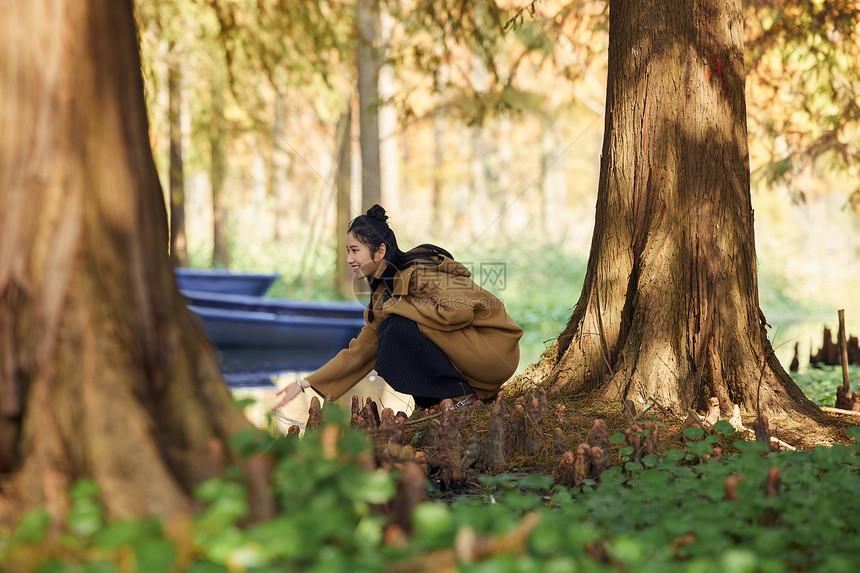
{"points": [[430, 331]]}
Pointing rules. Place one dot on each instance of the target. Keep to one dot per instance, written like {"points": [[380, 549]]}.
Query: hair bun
{"points": [[378, 213]]}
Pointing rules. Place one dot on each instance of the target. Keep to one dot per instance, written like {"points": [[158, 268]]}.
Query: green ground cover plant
{"points": [[682, 510], [819, 383]]}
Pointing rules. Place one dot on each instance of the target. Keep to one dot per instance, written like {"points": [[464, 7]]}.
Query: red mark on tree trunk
{"points": [[719, 69]]}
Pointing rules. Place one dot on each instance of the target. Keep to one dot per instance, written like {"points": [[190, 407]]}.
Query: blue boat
{"points": [[243, 328], [275, 306], [224, 281], [257, 337]]}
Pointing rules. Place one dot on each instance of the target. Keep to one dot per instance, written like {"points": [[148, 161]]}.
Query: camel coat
{"points": [[468, 323]]}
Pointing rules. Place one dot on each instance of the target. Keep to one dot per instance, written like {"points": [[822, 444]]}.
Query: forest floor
{"points": [[575, 417]]}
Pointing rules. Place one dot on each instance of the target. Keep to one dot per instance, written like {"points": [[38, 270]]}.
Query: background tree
{"points": [[178, 238], [367, 56], [103, 371], [669, 310], [804, 64]]}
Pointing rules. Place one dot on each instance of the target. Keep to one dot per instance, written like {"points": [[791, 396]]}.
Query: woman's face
{"points": [[358, 256]]}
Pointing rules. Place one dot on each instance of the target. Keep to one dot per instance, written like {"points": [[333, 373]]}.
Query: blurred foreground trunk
{"points": [[104, 373]]}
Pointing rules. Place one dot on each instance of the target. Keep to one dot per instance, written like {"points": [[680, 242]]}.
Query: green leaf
{"points": [[155, 556], [121, 533], [752, 446], [206, 567], [674, 455], [700, 448], [85, 517], [546, 539], [626, 550], [536, 481], [693, 433], [217, 488], [633, 467], [724, 427], [248, 441], [432, 519], [242, 403], [377, 487], [618, 438], [31, 528], [738, 561], [84, 489]]}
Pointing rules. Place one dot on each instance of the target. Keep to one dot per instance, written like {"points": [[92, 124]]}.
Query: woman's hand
{"points": [[290, 391]]}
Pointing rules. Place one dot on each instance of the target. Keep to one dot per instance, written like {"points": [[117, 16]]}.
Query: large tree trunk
{"points": [[103, 371], [178, 243], [669, 310]]}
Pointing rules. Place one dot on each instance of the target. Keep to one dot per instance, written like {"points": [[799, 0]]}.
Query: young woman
{"points": [[430, 330]]}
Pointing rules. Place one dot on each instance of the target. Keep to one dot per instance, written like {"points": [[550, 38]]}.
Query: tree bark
{"points": [[343, 184], [282, 168], [103, 371], [669, 310], [367, 61], [220, 238], [178, 242], [389, 149]]}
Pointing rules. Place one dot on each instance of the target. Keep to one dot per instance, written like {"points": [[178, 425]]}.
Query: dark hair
{"points": [[373, 231]]}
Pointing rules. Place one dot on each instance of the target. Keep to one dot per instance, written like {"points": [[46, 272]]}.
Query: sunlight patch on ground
{"points": [[371, 386]]}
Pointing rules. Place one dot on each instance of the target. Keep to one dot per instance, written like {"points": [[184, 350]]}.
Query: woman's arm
{"points": [[349, 366]]}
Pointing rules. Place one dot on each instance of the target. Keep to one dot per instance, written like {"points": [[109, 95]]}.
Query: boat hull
{"points": [[223, 281], [235, 328], [276, 306]]}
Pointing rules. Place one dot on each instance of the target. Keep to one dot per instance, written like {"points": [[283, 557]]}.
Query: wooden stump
{"points": [[534, 427], [598, 435], [515, 433], [634, 438], [411, 491], [761, 427], [314, 414], [651, 445], [565, 472], [491, 457], [450, 452], [559, 441]]}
